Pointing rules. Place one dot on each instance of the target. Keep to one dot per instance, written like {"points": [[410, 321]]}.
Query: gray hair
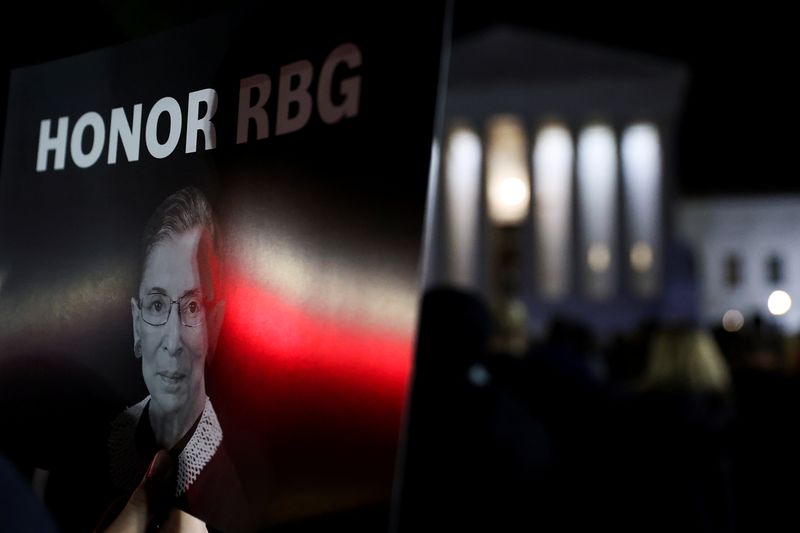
{"points": [[180, 212]]}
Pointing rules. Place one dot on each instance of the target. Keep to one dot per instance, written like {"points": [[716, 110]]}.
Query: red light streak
{"points": [[303, 363]]}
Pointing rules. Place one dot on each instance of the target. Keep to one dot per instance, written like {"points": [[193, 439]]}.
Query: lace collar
{"points": [[127, 467]]}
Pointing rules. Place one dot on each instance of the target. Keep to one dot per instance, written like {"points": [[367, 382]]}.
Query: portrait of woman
{"points": [[177, 314]]}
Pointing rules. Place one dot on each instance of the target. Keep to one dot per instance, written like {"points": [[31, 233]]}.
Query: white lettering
{"points": [[94, 121], [129, 134], [170, 106], [337, 95], [194, 123], [58, 144]]}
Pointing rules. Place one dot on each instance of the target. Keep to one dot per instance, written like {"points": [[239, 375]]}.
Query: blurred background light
{"points": [[779, 302], [732, 320]]}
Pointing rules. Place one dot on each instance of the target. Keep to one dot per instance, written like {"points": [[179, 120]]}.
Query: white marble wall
{"points": [[754, 229]]}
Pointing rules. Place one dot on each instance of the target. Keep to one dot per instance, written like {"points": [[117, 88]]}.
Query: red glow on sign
{"points": [[300, 365]]}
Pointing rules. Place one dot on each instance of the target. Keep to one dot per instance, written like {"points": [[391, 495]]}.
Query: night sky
{"points": [[737, 131]]}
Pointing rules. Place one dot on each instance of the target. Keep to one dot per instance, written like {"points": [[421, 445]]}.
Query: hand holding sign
{"points": [[146, 506]]}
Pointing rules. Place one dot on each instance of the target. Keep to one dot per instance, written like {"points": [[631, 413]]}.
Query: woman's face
{"points": [[173, 354]]}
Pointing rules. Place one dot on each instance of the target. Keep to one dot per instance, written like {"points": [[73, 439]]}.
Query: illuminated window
{"points": [[733, 270], [774, 270]]}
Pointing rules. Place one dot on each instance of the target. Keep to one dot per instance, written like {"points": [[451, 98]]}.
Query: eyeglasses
{"points": [[156, 308]]}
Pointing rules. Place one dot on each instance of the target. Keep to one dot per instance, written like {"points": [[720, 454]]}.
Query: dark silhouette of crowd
{"points": [[669, 427]]}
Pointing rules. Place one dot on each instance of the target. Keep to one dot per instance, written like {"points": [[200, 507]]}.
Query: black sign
{"points": [[209, 244]]}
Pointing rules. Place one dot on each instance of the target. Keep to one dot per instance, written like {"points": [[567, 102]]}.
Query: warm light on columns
{"points": [[641, 257], [462, 194], [598, 257], [553, 155], [597, 182], [640, 148], [508, 180]]}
